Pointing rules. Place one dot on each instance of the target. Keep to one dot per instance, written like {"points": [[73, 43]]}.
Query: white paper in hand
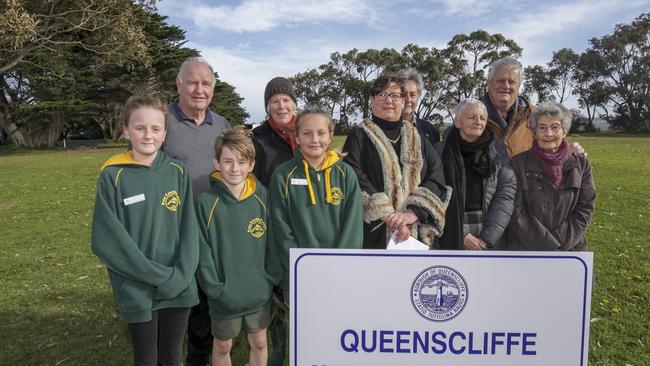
{"points": [[408, 244]]}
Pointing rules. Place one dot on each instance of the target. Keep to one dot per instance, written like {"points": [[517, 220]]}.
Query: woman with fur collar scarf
{"points": [[400, 174]]}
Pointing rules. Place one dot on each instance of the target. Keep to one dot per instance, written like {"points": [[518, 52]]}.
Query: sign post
{"points": [[439, 308]]}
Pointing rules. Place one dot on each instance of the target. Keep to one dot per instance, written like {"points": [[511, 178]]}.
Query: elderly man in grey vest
{"points": [[192, 126], [191, 132]]}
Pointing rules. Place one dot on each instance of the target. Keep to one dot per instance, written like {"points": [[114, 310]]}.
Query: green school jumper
{"points": [[233, 248], [312, 208], [145, 231]]}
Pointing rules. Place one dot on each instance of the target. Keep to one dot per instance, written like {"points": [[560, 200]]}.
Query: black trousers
{"points": [[160, 340], [199, 336]]}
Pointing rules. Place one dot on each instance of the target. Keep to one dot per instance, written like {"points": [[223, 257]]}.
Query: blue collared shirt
{"points": [[208, 115]]}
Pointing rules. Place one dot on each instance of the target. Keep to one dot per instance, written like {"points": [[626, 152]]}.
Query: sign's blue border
{"points": [[433, 255]]}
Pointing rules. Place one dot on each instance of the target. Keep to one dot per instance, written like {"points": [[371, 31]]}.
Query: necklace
{"points": [[394, 141]]}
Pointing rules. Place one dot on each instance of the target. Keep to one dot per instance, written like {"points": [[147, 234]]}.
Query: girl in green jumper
{"points": [[233, 223], [145, 231], [315, 197]]}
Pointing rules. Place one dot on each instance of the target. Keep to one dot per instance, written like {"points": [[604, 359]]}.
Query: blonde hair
{"points": [[137, 101], [236, 139], [323, 112], [314, 109]]}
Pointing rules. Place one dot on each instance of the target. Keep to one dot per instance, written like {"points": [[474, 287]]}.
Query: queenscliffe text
{"points": [[439, 342]]}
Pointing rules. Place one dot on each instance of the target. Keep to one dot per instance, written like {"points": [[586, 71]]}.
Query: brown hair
{"points": [[238, 140], [314, 109], [137, 101], [383, 81]]}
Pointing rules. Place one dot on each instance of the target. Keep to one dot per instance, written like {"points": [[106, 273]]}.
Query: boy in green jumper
{"points": [[233, 222], [315, 197], [145, 231]]}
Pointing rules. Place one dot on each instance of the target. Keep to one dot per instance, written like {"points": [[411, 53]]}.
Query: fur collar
{"points": [[399, 179]]}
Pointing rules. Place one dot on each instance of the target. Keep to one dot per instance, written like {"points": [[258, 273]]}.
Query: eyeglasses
{"points": [[555, 128], [395, 97]]}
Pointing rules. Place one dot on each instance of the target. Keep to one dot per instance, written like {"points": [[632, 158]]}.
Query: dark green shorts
{"points": [[253, 323]]}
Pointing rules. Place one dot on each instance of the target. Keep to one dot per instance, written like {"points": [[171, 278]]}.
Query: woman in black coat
{"points": [[484, 186], [274, 143], [400, 174], [275, 139]]}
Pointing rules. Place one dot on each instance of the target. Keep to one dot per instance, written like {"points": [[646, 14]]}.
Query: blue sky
{"points": [[249, 42]]}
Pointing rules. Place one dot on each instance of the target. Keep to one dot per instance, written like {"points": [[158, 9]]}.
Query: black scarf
{"points": [[454, 167]]}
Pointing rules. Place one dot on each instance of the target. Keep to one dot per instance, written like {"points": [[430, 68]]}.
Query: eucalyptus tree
{"points": [[625, 64], [468, 57]]}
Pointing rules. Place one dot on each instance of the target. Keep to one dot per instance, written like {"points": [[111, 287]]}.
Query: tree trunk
{"points": [[110, 121], [590, 118], [14, 134], [3, 134], [54, 129], [116, 119], [115, 129], [46, 131]]}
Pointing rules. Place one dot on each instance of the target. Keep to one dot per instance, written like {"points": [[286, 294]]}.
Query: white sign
{"points": [[442, 308]]}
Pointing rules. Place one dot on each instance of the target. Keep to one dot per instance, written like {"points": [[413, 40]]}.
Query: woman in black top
{"points": [[484, 186], [400, 174]]}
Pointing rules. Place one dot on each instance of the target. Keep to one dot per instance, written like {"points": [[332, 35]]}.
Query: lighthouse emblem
{"points": [[439, 293]]}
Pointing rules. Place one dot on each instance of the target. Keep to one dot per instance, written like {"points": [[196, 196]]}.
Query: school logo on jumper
{"points": [[439, 293], [337, 196], [257, 227], [171, 200]]}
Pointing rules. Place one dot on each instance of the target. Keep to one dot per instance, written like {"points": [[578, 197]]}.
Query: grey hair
{"points": [[412, 75], [315, 109], [468, 102], [190, 60], [551, 110], [508, 62]]}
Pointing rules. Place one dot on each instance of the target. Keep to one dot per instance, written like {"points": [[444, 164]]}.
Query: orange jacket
{"points": [[518, 137]]}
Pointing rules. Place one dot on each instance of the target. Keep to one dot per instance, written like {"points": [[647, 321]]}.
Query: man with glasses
{"points": [[399, 173]]}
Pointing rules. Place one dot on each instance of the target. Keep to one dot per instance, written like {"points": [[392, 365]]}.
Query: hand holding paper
{"points": [[408, 244]]}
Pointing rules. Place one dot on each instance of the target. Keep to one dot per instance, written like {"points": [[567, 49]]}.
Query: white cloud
{"points": [[264, 15], [461, 8], [248, 61], [250, 73], [457, 7], [538, 30]]}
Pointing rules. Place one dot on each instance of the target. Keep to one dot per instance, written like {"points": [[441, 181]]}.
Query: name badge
{"points": [[134, 199], [298, 182]]}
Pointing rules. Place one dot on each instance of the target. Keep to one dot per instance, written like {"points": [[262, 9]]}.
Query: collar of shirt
{"points": [[208, 115]]}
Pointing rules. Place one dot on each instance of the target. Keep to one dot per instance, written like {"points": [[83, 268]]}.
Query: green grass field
{"points": [[56, 306]]}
